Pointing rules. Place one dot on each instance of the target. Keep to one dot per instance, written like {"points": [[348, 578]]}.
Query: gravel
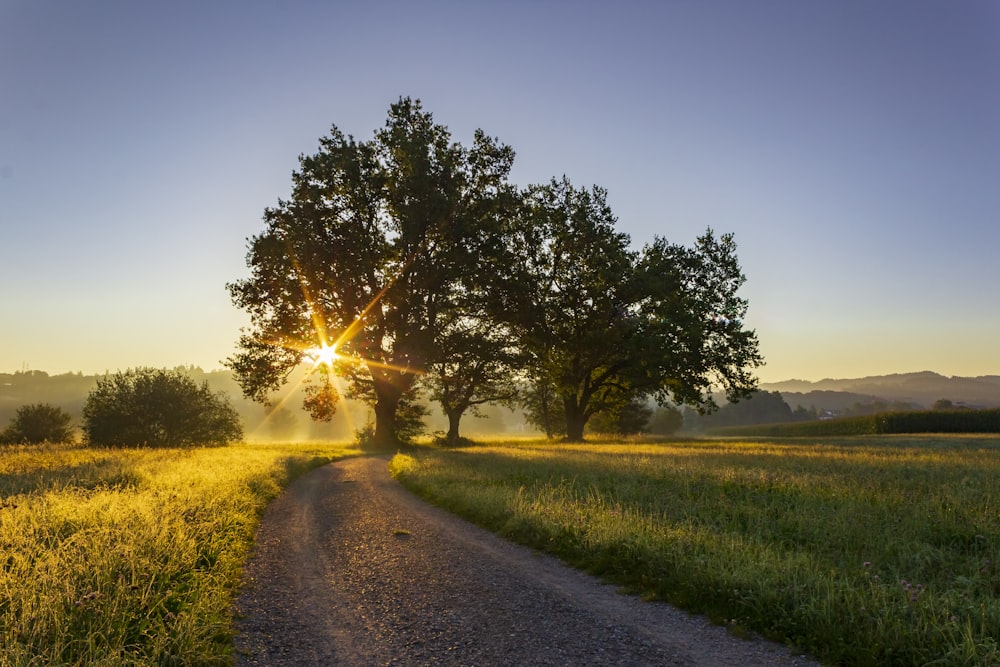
{"points": [[352, 569]]}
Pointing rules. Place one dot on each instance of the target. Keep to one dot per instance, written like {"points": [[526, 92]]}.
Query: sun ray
{"points": [[324, 354]]}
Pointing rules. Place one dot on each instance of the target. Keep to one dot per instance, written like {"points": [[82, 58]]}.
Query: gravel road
{"points": [[352, 569]]}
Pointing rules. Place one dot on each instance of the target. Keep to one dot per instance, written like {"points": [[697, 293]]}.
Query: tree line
{"points": [[425, 269]]}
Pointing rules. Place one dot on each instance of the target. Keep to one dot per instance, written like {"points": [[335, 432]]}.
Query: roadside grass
{"points": [[860, 551], [132, 556]]}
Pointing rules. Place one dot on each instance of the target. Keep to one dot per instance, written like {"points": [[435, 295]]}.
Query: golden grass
{"points": [[115, 557]]}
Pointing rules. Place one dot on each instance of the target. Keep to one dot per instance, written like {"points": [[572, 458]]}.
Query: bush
{"points": [[628, 419], [39, 422], [157, 408]]}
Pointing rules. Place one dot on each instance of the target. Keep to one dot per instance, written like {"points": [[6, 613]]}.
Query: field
{"points": [[861, 551], [115, 557]]}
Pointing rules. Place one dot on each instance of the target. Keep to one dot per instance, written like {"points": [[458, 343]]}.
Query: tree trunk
{"points": [[575, 422], [385, 424], [454, 417], [387, 396]]}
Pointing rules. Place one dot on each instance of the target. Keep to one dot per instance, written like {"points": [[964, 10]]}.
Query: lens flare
{"points": [[324, 354]]}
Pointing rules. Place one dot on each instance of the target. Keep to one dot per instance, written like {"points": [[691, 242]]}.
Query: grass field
{"points": [[131, 557], [860, 551]]}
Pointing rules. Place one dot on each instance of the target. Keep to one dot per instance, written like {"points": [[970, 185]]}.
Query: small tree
{"points": [[36, 423], [157, 408], [629, 418], [666, 420], [476, 365]]}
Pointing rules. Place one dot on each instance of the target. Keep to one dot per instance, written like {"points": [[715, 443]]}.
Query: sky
{"points": [[851, 147]]}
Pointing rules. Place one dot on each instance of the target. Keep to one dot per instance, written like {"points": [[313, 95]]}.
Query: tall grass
{"points": [[117, 557], [875, 551]]}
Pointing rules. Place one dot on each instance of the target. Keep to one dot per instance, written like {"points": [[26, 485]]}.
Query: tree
{"points": [[764, 407], [630, 418], [37, 423], [603, 325], [157, 408], [569, 305], [477, 358], [475, 368], [363, 259], [666, 420]]}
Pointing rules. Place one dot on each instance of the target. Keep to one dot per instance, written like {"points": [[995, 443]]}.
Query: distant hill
{"points": [[920, 389]]}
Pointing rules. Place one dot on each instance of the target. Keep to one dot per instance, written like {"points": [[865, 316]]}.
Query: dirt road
{"points": [[351, 569]]}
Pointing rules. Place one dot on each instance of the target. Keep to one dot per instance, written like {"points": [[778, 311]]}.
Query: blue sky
{"points": [[853, 148]]}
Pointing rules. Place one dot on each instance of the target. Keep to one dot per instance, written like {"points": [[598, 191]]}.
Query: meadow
{"points": [[874, 550], [132, 556]]}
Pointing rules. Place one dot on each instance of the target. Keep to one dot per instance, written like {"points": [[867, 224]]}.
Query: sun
{"points": [[324, 354]]}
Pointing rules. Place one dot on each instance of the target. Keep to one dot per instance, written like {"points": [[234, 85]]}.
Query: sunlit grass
{"points": [[861, 551], [115, 557]]}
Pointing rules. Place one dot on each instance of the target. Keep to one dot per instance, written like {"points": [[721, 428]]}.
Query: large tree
{"points": [[603, 325], [362, 260]]}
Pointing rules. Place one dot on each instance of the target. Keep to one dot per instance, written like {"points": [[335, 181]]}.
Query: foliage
{"points": [[417, 261], [666, 420], [602, 325], [631, 418], [69, 391], [132, 557], [368, 254], [36, 423], [764, 407], [864, 551], [477, 364], [157, 408]]}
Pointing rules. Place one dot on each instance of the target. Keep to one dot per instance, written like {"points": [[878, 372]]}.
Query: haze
{"points": [[852, 148]]}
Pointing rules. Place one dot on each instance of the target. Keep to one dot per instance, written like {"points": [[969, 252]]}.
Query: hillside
{"points": [[920, 389]]}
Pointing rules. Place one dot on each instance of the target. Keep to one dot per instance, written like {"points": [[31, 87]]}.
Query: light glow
{"points": [[324, 354]]}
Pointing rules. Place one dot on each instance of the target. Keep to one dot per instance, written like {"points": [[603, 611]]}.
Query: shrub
{"points": [[627, 419], [39, 422], [157, 408]]}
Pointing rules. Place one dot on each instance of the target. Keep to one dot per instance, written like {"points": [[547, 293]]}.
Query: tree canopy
{"points": [[36, 423], [153, 407], [415, 260], [603, 325], [366, 257]]}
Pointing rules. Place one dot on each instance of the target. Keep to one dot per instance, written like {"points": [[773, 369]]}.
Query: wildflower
{"points": [[866, 564]]}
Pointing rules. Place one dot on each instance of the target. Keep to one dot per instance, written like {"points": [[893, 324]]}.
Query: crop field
{"points": [[114, 557], [861, 551]]}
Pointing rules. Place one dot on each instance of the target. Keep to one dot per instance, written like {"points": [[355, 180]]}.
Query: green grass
{"points": [[113, 557], [861, 551], [883, 423]]}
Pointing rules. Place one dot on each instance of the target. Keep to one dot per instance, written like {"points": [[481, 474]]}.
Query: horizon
{"points": [[852, 149], [223, 369]]}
